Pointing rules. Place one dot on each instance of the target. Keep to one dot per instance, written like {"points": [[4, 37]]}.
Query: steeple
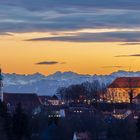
{"points": [[1, 85]]}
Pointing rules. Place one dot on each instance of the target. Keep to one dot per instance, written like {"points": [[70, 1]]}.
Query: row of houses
{"points": [[29, 101]]}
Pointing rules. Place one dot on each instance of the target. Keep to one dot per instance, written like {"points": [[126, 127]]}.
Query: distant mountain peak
{"points": [[48, 85]]}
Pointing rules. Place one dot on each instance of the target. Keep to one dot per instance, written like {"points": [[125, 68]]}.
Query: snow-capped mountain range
{"points": [[48, 85]]}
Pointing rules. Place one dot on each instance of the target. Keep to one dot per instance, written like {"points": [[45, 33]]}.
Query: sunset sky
{"points": [[83, 36]]}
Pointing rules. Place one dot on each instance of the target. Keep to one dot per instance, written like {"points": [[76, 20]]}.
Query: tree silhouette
{"points": [[131, 87], [20, 124], [3, 109], [82, 91], [138, 127]]}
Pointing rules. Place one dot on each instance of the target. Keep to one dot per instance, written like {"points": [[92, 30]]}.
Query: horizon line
{"points": [[70, 72]]}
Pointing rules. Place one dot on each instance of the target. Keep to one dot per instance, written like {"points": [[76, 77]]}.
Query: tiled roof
{"points": [[29, 101], [125, 82]]}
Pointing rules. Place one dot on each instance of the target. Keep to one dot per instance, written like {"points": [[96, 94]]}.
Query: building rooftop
{"points": [[29, 101], [125, 82]]}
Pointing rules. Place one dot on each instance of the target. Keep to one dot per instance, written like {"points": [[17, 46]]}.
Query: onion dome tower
{"points": [[1, 85]]}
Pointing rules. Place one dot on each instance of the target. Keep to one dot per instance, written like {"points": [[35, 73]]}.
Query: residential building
{"points": [[121, 88], [29, 101]]}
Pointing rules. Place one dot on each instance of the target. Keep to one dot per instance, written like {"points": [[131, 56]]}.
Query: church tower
{"points": [[1, 85]]}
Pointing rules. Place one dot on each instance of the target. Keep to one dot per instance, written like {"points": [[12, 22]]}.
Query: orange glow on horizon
{"points": [[20, 56]]}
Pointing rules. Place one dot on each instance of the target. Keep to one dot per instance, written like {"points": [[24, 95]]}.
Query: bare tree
{"points": [[96, 88], [131, 87], [103, 90]]}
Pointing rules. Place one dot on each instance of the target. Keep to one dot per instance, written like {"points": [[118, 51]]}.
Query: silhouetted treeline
{"points": [[14, 125], [81, 91]]}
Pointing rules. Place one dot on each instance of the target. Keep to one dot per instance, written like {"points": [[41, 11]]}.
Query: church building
{"points": [[29, 101], [121, 88]]}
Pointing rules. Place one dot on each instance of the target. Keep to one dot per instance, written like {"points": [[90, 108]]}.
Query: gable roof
{"points": [[54, 97], [29, 101], [125, 82]]}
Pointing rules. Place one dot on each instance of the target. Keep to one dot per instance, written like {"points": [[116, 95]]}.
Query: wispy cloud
{"points": [[112, 67], [130, 55], [95, 37], [131, 43], [47, 63], [5, 34], [41, 5], [66, 15]]}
